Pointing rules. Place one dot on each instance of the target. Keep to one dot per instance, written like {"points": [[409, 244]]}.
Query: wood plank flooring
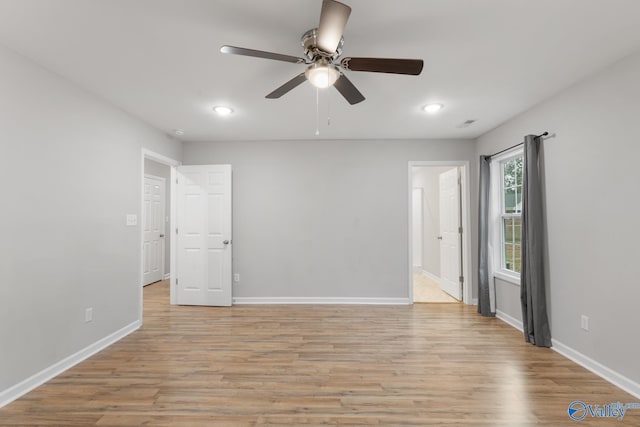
{"points": [[426, 364]]}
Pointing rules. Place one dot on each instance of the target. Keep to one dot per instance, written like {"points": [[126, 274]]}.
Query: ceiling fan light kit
{"points": [[322, 74], [322, 49]]}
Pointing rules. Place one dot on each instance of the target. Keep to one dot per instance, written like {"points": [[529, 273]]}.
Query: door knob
{"points": [[439, 237], [162, 235], [226, 242]]}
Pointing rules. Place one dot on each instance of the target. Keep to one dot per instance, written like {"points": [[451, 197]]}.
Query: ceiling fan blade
{"points": [[333, 20], [261, 54], [348, 90], [291, 84], [384, 65]]}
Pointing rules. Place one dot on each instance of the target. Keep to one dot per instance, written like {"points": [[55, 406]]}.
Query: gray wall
{"points": [[323, 218], [591, 183], [163, 171], [70, 167], [428, 178]]}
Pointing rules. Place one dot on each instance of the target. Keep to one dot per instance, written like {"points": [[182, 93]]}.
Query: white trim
{"points": [[420, 244], [597, 368], [166, 276], [510, 320], [156, 157], [321, 300], [586, 362], [431, 276], [172, 163], [496, 203], [173, 224], [506, 277], [467, 288], [474, 301], [23, 387]]}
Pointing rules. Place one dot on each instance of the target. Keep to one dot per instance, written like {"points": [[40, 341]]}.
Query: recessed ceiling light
{"points": [[433, 108], [178, 132], [223, 111]]}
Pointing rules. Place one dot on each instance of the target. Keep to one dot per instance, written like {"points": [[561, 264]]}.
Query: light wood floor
{"points": [[426, 364], [427, 290]]}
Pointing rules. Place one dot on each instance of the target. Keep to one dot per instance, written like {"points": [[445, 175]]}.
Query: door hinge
{"points": [[176, 230], [176, 180], [460, 230], [461, 279], [176, 281]]}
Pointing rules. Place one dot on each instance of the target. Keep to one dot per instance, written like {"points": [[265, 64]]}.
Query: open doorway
{"points": [[439, 243], [157, 257], [156, 239]]}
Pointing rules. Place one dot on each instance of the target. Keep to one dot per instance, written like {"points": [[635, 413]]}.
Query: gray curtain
{"points": [[535, 321], [484, 294]]}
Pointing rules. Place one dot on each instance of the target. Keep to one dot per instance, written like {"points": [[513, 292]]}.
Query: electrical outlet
{"points": [[236, 277], [88, 315], [584, 322], [132, 220]]}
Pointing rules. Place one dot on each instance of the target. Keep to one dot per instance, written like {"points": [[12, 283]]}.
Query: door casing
{"points": [[467, 293], [172, 163]]}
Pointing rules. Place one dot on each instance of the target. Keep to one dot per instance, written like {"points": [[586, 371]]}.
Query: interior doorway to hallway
{"points": [[156, 239], [439, 243], [157, 212]]}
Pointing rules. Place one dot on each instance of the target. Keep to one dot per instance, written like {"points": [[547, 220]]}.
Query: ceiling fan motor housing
{"points": [[309, 41]]}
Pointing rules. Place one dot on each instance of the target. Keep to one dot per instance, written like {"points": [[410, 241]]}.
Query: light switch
{"points": [[132, 219]]}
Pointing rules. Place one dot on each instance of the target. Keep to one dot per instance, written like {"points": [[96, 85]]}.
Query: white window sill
{"points": [[507, 277]]}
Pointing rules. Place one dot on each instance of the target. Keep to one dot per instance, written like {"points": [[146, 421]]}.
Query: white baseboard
{"points": [[509, 320], [586, 362], [9, 395], [320, 300], [597, 368], [474, 301], [431, 276], [166, 276]]}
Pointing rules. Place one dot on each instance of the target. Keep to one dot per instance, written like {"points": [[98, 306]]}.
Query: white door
{"points": [[450, 234], [153, 229], [416, 204], [204, 235]]}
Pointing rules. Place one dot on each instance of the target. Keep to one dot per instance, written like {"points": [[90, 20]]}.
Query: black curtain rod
{"points": [[517, 145]]}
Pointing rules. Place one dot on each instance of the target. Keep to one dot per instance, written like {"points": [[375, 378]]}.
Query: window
{"points": [[511, 213]]}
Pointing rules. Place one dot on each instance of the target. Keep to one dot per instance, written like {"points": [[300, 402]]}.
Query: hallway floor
{"points": [[427, 290]]}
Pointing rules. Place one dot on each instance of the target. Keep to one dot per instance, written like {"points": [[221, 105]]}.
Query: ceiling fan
{"points": [[322, 50]]}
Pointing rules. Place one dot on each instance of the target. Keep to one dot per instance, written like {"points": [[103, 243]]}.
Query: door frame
{"points": [[421, 190], [163, 260], [172, 163], [467, 288]]}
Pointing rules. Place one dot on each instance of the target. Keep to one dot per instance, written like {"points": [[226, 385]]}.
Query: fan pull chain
{"points": [[317, 111]]}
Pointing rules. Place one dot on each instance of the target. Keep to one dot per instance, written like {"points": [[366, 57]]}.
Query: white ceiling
{"points": [[159, 60]]}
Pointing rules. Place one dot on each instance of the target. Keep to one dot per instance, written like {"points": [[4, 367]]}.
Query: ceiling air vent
{"points": [[466, 124]]}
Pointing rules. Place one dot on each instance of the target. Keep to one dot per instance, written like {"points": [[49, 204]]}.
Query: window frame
{"points": [[498, 214]]}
